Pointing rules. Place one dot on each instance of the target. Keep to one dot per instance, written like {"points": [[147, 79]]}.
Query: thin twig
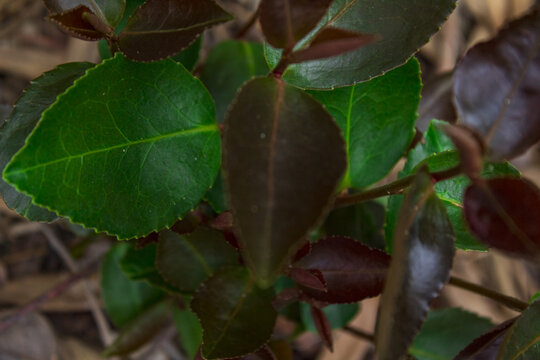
{"points": [[48, 295], [396, 187], [508, 301], [360, 333], [247, 26]]}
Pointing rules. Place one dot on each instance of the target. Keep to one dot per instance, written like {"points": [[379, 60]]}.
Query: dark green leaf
{"points": [[404, 26], [75, 22], [140, 331], [421, 261], [161, 28], [124, 298], [41, 94], [377, 119], [186, 261], [237, 317], [351, 270], [504, 213], [127, 157], [283, 157], [227, 67], [216, 196], [338, 315], [110, 11], [486, 346], [285, 22], [445, 332], [189, 331], [497, 88]]}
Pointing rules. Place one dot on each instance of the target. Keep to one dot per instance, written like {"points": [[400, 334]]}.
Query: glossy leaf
{"points": [[486, 346], [497, 88], [421, 261], [75, 22], [436, 101], [124, 298], [411, 25], [110, 11], [41, 94], [445, 332], [312, 278], [352, 270], [377, 119], [294, 156], [503, 213], [161, 28], [216, 196], [522, 341], [227, 67], [149, 159], [323, 326], [285, 22], [338, 315], [237, 317], [186, 261], [140, 331], [189, 331]]}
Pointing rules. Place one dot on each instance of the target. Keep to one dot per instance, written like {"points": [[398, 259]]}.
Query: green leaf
{"points": [[237, 317], [161, 28], [189, 331], [216, 196], [377, 119], [404, 26], [185, 261], [294, 155], [128, 156], [124, 298], [109, 10], [534, 297], [338, 315], [227, 67], [522, 341], [420, 266], [445, 332], [41, 94]]}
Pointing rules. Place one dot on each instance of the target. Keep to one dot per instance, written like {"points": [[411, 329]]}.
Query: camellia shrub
{"points": [[246, 186]]}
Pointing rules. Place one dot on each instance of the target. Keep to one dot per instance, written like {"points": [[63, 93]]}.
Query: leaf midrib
{"points": [[171, 31], [154, 139]]}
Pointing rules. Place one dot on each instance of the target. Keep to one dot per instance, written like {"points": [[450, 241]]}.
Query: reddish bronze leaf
{"points": [[421, 260], [161, 28], [352, 270], [504, 213], [283, 156], [109, 11], [486, 346], [75, 22], [331, 42], [323, 326], [284, 22], [312, 278], [497, 88]]}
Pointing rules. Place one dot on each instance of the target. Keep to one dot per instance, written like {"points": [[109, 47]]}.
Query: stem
{"points": [[393, 188], [508, 301], [360, 333], [247, 26]]}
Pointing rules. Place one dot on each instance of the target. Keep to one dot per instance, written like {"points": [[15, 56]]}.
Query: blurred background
{"points": [[37, 257]]}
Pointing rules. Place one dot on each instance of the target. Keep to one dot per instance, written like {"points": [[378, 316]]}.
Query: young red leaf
{"points": [[76, 22], [331, 42], [186, 261], [486, 346], [109, 11], [284, 22], [283, 156], [312, 278], [352, 270], [497, 88], [286, 297], [503, 213], [323, 326], [237, 317], [161, 28], [421, 261], [470, 147]]}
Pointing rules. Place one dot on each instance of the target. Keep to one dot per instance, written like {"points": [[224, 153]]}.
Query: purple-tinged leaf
{"points": [[286, 297], [522, 341], [283, 156], [109, 11], [497, 88], [185, 261], [236, 315], [285, 22], [421, 260], [436, 101], [470, 147], [487, 346], [161, 28], [78, 24], [323, 326], [311, 278], [331, 42], [503, 213], [352, 270], [141, 330]]}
